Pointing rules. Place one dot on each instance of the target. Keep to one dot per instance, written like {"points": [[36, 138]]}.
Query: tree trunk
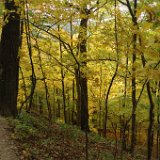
{"points": [[9, 61], [151, 123], [151, 116], [134, 87], [114, 75], [83, 87], [78, 102], [29, 45], [62, 79], [158, 123]]}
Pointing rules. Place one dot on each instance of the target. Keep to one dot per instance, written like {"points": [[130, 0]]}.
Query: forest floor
{"points": [[36, 139], [7, 148]]}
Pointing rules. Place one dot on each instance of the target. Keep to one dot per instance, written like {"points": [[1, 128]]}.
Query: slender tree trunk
{"points": [[134, 100], [58, 109], [9, 60], [29, 45], [62, 79], [106, 103], [99, 115], [25, 91], [84, 104], [151, 116], [115, 72], [133, 13], [158, 123], [151, 123], [78, 102], [73, 103]]}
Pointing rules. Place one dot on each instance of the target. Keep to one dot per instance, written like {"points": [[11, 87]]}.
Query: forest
{"points": [[89, 67]]}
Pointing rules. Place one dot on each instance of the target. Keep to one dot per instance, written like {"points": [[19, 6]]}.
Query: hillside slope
{"points": [[38, 140]]}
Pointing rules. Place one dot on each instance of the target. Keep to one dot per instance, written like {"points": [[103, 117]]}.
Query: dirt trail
{"points": [[7, 148]]}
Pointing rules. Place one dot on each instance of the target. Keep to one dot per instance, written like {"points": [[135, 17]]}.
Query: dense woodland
{"points": [[94, 64]]}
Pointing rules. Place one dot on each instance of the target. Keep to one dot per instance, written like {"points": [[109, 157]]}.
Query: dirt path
{"points": [[7, 148]]}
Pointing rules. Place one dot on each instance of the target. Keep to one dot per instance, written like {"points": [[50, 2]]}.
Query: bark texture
{"points": [[9, 61]]}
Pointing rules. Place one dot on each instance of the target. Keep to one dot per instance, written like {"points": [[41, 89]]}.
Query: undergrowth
{"points": [[38, 140]]}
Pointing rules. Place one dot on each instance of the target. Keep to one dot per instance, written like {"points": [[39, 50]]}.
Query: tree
{"points": [[82, 47], [9, 60]]}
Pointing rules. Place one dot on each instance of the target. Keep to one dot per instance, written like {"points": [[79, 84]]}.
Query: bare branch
{"points": [[67, 67], [125, 4], [99, 6], [65, 44], [100, 60], [130, 10]]}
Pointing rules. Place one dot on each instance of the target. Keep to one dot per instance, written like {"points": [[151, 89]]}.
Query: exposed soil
{"points": [[7, 147]]}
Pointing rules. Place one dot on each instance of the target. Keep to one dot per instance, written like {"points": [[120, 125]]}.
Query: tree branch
{"points": [[130, 10], [125, 4]]}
